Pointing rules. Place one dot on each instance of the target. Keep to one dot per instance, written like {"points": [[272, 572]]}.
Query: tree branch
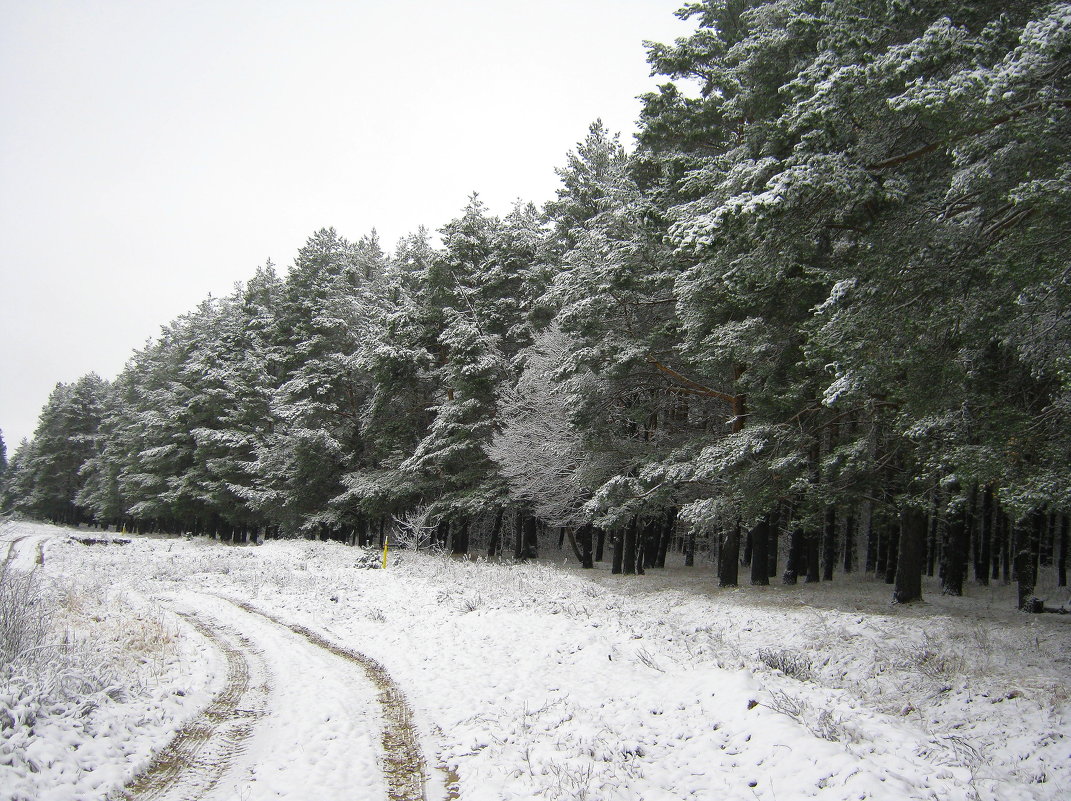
{"points": [[694, 385]]}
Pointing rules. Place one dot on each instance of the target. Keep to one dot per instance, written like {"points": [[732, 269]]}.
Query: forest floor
{"points": [[288, 670]]}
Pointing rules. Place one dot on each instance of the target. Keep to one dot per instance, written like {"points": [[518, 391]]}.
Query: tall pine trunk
{"points": [[910, 556], [628, 566], [495, 545], [760, 545], [829, 543], [729, 558], [811, 545], [461, 538], [954, 554], [795, 556], [1061, 562]]}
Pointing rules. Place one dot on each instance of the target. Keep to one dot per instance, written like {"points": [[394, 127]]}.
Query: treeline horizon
{"points": [[817, 320]]}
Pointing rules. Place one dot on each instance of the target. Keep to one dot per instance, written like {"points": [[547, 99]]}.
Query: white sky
{"points": [[155, 151]]}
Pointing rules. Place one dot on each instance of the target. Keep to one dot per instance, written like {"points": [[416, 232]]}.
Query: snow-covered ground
{"points": [[545, 681]]}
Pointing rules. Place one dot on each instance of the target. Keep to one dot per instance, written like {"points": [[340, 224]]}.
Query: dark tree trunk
{"points": [[1026, 561], [651, 535], [1048, 540], [849, 542], [495, 545], [561, 537], [530, 537], [729, 558], [771, 549], [1006, 536], [565, 533], [619, 551], [932, 534], [442, 533], [518, 535], [892, 552], [954, 554], [629, 565], [829, 544], [689, 547], [910, 556], [984, 528], [760, 559], [600, 542], [1061, 562], [795, 556], [583, 539], [870, 532], [669, 523], [461, 537], [814, 565], [881, 537], [641, 548]]}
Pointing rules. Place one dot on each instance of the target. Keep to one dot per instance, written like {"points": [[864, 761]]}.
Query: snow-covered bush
{"points": [[25, 618], [69, 656]]}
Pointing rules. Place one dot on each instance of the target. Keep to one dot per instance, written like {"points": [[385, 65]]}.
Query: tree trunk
{"points": [[461, 537], [1006, 534], [600, 542], [954, 554], [573, 543], [642, 544], [1026, 562], [811, 543], [1061, 563], [629, 565], [669, 523], [583, 538], [530, 536], [829, 544], [869, 533], [495, 545], [910, 556], [619, 551], [729, 558], [933, 532], [689, 547], [892, 551], [518, 535], [771, 550], [795, 556], [651, 536], [849, 542], [760, 559]]}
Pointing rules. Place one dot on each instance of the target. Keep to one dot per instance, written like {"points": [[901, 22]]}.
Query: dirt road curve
{"points": [[293, 720], [404, 764], [192, 764], [23, 552]]}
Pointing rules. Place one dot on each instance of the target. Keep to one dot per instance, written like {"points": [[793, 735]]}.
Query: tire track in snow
{"points": [[405, 768], [12, 552], [195, 759]]}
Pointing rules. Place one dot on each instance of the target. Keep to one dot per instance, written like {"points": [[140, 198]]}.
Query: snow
{"points": [[545, 681]]}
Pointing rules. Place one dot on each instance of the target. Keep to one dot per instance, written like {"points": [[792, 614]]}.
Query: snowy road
{"points": [[292, 721], [21, 551], [520, 682]]}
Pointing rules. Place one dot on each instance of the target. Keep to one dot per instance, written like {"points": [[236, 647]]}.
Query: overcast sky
{"points": [[155, 151]]}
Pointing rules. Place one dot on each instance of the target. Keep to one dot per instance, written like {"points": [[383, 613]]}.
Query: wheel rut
{"points": [[404, 768], [190, 766], [12, 551]]}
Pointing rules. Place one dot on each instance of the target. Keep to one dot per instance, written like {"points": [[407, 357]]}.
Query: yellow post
{"points": [[385, 540]]}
